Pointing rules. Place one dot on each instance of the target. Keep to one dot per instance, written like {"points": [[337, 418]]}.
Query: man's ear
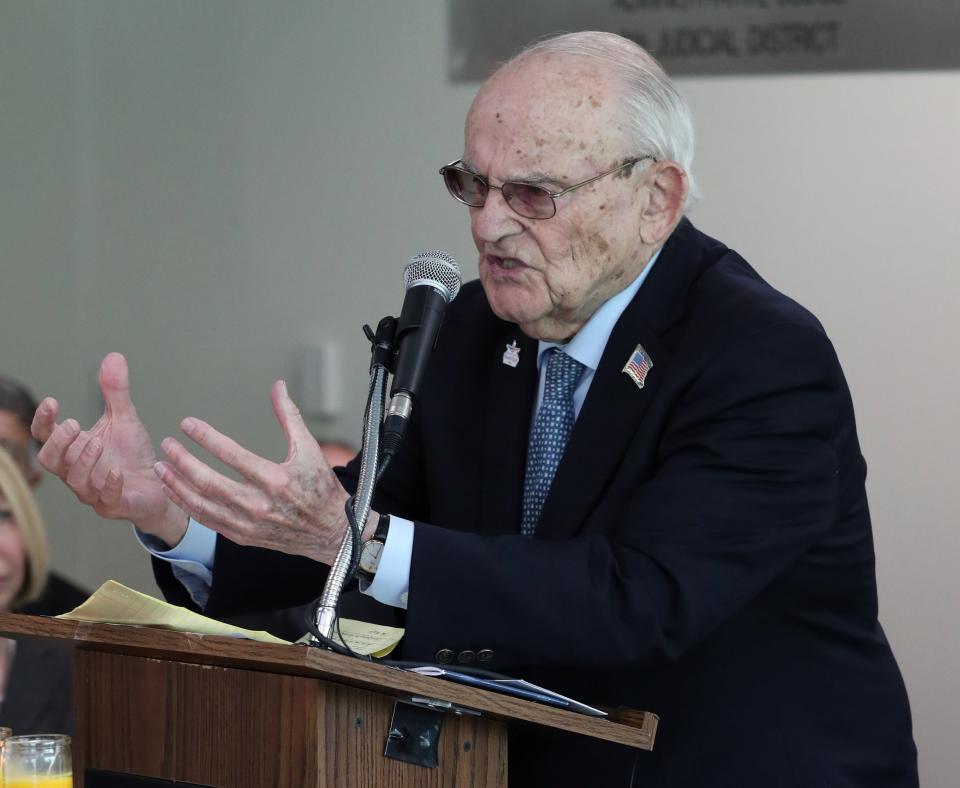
{"points": [[667, 185]]}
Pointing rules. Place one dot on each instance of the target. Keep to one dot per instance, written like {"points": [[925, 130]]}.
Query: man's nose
{"points": [[496, 219]]}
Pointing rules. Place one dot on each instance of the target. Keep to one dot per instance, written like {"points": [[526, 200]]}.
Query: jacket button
{"points": [[485, 654], [443, 656], [466, 656]]}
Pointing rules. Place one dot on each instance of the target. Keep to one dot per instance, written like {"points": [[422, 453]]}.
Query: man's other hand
{"points": [[110, 466], [295, 506]]}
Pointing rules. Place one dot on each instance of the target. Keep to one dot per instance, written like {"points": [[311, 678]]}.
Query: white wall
{"points": [[207, 186]]}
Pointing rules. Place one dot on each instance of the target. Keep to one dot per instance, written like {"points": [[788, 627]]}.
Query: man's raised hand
{"points": [[295, 506], [110, 466]]}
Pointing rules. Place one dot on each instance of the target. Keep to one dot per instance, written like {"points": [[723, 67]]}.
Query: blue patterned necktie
{"points": [[549, 435]]}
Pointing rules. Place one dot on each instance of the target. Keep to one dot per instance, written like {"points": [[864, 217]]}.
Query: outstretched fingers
{"points": [[111, 494], [45, 419], [295, 430], [114, 382], [213, 514], [54, 452], [80, 474], [228, 451], [206, 481]]}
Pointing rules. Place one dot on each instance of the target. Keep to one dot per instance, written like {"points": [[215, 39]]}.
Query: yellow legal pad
{"points": [[114, 603]]}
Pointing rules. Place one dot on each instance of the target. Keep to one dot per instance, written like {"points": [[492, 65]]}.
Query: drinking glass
{"points": [[41, 761], [5, 733]]}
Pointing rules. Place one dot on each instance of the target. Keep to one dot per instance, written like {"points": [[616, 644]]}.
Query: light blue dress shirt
{"points": [[193, 558]]}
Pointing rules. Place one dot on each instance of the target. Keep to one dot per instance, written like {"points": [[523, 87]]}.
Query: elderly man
{"points": [[633, 476]]}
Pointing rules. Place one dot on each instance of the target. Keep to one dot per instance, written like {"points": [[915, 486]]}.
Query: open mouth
{"points": [[505, 263]]}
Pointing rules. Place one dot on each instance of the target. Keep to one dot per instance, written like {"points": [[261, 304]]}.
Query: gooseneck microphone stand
{"points": [[383, 359]]}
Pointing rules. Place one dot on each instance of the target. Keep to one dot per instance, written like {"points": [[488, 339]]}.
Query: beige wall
{"points": [[207, 186]]}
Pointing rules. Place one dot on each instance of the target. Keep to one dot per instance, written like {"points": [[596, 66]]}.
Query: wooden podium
{"points": [[215, 711]]}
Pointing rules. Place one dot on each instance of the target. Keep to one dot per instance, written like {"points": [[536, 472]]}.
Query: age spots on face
{"points": [[627, 171], [594, 102], [599, 243]]}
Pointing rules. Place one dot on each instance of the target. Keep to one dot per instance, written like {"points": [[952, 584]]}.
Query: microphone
{"points": [[431, 280]]}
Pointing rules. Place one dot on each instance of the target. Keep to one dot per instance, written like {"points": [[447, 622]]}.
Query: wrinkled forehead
{"points": [[550, 106]]}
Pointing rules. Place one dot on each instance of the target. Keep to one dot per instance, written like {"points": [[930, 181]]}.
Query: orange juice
{"points": [[40, 781]]}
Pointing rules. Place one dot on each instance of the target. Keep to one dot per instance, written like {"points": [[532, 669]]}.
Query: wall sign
{"points": [[721, 36]]}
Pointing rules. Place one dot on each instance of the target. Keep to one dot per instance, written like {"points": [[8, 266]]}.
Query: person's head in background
{"points": [[23, 539], [17, 407], [337, 452]]}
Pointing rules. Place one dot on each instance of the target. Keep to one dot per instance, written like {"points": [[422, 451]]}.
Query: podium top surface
{"points": [[317, 663]]}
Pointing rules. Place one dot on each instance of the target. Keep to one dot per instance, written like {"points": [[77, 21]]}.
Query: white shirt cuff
{"points": [[191, 559], [391, 583]]}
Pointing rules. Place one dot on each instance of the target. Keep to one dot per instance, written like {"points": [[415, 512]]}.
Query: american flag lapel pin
{"points": [[511, 356], [638, 365]]}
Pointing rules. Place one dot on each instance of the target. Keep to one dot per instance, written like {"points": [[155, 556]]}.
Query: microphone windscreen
{"points": [[436, 269]]}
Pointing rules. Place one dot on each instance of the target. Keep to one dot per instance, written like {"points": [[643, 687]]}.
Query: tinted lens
{"points": [[465, 186], [530, 201]]}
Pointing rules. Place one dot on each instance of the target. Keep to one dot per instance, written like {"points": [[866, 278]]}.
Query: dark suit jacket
{"points": [[39, 697], [704, 553], [60, 595]]}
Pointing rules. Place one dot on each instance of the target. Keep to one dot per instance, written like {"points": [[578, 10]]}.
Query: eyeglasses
{"points": [[532, 202]]}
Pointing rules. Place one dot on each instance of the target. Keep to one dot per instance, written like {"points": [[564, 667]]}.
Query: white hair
{"points": [[657, 119]]}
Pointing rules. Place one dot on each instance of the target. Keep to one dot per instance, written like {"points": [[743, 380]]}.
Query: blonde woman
{"points": [[36, 681], [17, 406]]}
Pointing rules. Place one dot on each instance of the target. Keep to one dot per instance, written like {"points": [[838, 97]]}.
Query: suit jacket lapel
{"points": [[509, 405], [615, 404]]}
